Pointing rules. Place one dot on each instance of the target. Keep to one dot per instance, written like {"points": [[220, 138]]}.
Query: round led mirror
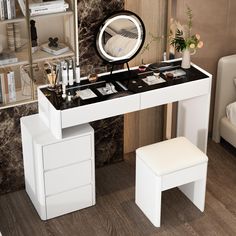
{"points": [[120, 37]]}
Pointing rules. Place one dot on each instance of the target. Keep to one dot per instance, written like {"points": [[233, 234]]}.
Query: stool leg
{"points": [[148, 192], [195, 191]]}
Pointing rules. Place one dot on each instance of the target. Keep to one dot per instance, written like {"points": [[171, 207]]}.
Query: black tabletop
{"points": [[122, 84]]}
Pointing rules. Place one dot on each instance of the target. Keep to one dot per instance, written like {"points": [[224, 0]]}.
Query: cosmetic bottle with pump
{"points": [[77, 74], [71, 76], [64, 75]]}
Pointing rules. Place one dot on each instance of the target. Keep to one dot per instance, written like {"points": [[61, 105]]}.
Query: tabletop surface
{"points": [[123, 84]]}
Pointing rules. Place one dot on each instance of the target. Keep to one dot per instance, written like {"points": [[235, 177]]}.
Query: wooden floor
{"points": [[116, 213]]}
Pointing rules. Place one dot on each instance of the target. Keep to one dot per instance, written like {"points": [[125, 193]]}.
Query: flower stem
{"points": [[190, 18]]}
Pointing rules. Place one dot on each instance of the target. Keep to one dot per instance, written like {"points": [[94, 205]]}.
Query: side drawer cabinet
{"points": [[59, 174]]}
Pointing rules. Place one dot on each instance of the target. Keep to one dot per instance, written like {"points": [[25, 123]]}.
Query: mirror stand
{"points": [[112, 67]]}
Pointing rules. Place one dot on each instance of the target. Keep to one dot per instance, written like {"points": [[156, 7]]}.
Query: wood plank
{"points": [[145, 127], [116, 213]]}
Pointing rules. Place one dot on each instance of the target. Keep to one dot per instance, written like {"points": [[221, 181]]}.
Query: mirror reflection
{"points": [[120, 37]]}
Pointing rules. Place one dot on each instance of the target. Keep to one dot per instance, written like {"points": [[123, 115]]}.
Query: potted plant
{"points": [[184, 41]]}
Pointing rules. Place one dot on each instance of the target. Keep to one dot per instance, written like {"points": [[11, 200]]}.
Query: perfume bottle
{"points": [[71, 77], [64, 76], [77, 74]]}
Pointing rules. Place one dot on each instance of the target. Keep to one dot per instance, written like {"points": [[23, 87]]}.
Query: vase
{"points": [[186, 61]]}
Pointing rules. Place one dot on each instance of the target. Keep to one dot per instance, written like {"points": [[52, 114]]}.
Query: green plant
{"points": [[147, 45], [183, 39]]}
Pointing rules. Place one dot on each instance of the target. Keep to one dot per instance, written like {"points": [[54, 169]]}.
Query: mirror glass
{"points": [[120, 37]]}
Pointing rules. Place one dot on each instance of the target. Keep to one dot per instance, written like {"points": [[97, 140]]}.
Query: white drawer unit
{"points": [[56, 155], [69, 177], [59, 174], [69, 201]]}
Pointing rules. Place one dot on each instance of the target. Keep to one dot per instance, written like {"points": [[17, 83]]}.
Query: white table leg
{"points": [[193, 120]]}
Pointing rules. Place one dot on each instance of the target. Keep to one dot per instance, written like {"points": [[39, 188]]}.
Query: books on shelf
{"points": [[10, 37], [13, 36], [48, 10], [62, 48], [2, 10], [22, 6], [40, 8], [7, 9], [3, 91], [11, 86], [33, 4], [7, 86], [7, 57]]}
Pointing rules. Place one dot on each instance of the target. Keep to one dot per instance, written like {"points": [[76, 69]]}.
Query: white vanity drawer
{"points": [[67, 152], [67, 178], [100, 110], [69, 201], [175, 93]]}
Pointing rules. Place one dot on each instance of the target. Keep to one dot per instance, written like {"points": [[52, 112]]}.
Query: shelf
{"points": [[43, 56], [20, 99], [57, 24], [65, 13], [18, 103], [18, 19], [22, 59]]}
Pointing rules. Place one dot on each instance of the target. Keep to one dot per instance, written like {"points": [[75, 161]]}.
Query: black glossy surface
{"points": [[132, 80]]}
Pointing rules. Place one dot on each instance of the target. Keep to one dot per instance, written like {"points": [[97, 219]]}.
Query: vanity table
{"points": [[58, 143]]}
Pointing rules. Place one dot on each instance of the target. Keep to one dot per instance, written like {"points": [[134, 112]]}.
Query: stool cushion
{"points": [[171, 155]]}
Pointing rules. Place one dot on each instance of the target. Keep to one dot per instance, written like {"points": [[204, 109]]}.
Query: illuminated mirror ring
{"points": [[120, 37]]}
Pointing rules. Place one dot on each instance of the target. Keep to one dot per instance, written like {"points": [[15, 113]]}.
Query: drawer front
{"points": [[67, 178], [67, 152], [69, 201], [175, 93], [100, 110]]}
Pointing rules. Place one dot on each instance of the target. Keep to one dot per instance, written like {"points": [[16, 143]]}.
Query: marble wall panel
{"points": [[108, 132], [90, 14], [11, 163], [108, 140]]}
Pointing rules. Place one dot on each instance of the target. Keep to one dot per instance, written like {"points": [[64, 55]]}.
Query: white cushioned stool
{"points": [[165, 165]]}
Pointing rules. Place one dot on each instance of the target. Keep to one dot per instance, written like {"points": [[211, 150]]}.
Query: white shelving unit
{"points": [[62, 25]]}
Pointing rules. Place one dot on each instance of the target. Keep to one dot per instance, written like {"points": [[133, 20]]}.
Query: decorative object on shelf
{"points": [[22, 6], [183, 41], [25, 81], [53, 42], [60, 49], [34, 36]]}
